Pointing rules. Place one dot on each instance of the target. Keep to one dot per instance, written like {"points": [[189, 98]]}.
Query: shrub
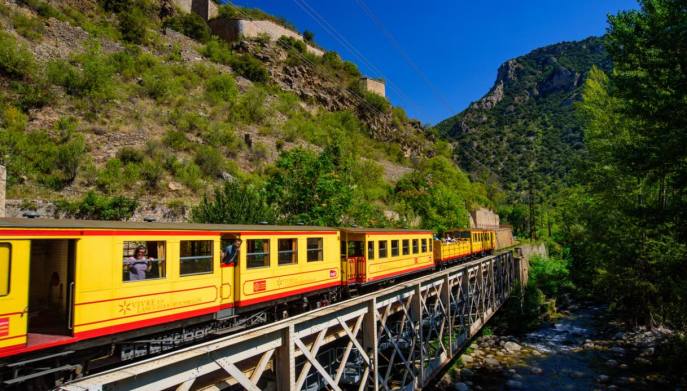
{"points": [[210, 161], [16, 61], [374, 103], [351, 69], [133, 25], [550, 275], [251, 108], [32, 94], [70, 153], [159, 83], [98, 207], [221, 88], [94, 80], [217, 51], [250, 68], [28, 26], [130, 155], [191, 25], [189, 174], [43, 9], [176, 140], [13, 119], [110, 179], [308, 35], [222, 135], [152, 173], [290, 43], [234, 203]]}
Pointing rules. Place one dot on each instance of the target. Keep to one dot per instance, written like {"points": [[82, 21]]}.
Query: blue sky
{"points": [[446, 53]]}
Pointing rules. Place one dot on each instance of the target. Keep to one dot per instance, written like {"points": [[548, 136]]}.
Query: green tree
{"points": [[629, 218], [234, 203]]}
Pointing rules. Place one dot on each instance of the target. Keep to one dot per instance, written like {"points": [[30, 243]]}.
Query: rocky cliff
{"points": [[526, 123]]}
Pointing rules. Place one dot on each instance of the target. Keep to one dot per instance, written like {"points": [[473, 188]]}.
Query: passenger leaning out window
{"points": [[230, 254], [139, 264]]}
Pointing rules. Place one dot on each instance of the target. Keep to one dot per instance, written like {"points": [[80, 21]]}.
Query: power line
{"points": [[390, 37], [319, 19]]}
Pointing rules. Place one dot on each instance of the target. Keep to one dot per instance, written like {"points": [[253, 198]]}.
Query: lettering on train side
{"points": [[143, 306]]}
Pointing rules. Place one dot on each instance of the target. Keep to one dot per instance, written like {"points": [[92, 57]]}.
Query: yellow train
{"points": [[76, 296]]}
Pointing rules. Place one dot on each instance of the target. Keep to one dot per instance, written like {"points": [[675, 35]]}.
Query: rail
{"points": [[395, 338]]}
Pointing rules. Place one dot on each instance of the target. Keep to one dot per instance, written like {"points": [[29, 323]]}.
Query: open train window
{"points": [[406, 246], [382, 249], [424, 245], [315, 250], [355, 248], [258, 253], [416, 247], [394, 248], [195, 257], [5, 267], [371, 249], [144, 260], [288, 251]]}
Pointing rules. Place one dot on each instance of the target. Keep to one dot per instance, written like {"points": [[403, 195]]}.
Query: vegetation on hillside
{"points": [[205, 131]]}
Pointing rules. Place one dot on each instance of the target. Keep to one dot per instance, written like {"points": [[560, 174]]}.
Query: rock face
{"points": [[530, 105], [310, 85]]}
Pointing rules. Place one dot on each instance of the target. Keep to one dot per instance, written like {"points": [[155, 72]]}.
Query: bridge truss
{"points": [[395, 338]]}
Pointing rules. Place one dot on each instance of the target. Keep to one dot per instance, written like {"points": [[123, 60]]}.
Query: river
{"points": [[579, 351]]}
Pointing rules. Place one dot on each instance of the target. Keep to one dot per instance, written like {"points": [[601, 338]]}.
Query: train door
{"points": [[51, 289], [229, 263], [14, 283]]}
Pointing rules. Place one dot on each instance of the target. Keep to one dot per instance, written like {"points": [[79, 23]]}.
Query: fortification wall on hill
{"points": [[206, 9], [236, 29]]}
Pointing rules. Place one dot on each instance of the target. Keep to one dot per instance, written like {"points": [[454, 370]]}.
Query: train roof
{"points": [[361, 230], [97, 224]]}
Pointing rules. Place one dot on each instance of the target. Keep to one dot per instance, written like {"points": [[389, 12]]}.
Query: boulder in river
{"points": [[602, 378], [536, 370], [511, 347], [461, 387], [612, 363], [514, 384]]}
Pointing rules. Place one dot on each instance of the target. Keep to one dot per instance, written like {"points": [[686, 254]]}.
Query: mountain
{"points": [[526, 124]]}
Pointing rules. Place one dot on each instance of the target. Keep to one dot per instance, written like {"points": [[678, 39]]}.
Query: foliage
{"points": [[550, 275], [626, 223], [437, 192], [308, 36], [15, 59], [217, 51], [92, 80], [234, 203], [189, 24], [221, 88], [249, 67], [232, 11], [97, 207]]}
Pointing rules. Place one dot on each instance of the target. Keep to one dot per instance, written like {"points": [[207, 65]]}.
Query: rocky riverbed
{"points": [[579, 351]]}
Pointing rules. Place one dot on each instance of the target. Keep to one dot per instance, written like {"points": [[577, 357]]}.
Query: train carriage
{"points": [[373, 255], [74, 286], [461, 244]]}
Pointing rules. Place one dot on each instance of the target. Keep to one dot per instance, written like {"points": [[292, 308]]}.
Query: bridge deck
{"points": [[395, 338]]}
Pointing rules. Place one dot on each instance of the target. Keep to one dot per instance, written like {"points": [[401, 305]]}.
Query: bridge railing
{"points": [[395, 338]]}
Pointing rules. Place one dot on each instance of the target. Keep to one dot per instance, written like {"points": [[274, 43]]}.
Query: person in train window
{"points": [[230, 254], [139, 264]]}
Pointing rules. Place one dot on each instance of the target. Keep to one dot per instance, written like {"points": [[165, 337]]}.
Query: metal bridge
{"points": [[395, 338]]}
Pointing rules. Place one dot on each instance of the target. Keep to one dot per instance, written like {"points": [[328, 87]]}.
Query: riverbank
{"points": [[583, 349]]}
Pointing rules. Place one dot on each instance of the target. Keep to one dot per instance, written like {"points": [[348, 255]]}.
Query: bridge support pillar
{"points": [[370, 341], [285, 367]]}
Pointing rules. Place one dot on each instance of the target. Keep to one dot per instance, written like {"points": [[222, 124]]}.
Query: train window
{"points": [[406, 246], [5, 267], [371, 249], [355, 248], [430, 245], [315, 250], [195, 257], [416, 247], [257, 253], [288, 251], [394, 248], [382, 249], [144, 260], [424, 245]]}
